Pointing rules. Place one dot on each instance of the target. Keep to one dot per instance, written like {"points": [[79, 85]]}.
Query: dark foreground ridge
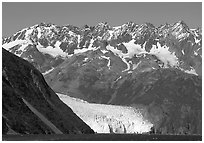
{"points": [[102, 137], [30, 106]]}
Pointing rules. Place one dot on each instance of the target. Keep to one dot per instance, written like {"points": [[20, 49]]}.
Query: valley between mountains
{"points": [[124, 79]]}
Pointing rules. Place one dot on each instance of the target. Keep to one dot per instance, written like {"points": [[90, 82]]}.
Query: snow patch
{"points": [[53, 51], [133, 49], [91, 43], [136, 65], [78, 40], [161, 52], [108, 58], [77, 51], [182, 52], [118, 78], [48, 71], [28, 33], [104, 51], [192, 71], [197, 40], [164, 55], [115, 51], [9, 45], [195, 53], [128, 65], [111, 32], [39, 32], [85, 59], [120, 54], [116, 27], [71, 33]]}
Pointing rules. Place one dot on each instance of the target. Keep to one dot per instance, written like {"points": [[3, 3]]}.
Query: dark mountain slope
{"points": [[21, 84]]}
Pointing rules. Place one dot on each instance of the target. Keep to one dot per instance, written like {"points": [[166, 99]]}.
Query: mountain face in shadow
{"points": [[29, 106]]}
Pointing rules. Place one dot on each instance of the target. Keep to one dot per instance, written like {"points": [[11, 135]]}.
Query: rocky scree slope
{"points": [[29, 106]]}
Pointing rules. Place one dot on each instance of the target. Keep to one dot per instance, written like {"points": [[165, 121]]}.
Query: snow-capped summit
{"points": [[180, 30], [170, 43]]}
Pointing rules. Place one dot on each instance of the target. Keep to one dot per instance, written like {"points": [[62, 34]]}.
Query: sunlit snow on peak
{"points": [[53, 51]]}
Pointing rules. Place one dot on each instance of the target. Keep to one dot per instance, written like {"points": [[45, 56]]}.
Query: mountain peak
{"points": [[180, 25], [103, 24]]}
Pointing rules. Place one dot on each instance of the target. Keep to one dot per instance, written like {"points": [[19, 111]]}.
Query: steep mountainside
{"points": [[29, 104]]}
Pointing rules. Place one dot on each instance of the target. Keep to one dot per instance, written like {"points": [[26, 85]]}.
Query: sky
{"points": [[19, 15]]}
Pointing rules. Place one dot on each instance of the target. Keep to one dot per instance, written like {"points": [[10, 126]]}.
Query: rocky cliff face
{"points": [[29, 104]]}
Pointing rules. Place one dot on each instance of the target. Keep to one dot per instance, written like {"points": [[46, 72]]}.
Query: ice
{"points": [[108, 118]]}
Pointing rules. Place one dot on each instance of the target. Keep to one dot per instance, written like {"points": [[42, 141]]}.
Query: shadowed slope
{"points": [[22, 81]]}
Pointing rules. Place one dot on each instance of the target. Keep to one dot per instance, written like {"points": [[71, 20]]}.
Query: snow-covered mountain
{"points": [[170, 45], [158, 68]]}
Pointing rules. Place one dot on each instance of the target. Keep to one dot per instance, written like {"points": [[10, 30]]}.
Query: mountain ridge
{"points": [[52, 44]]}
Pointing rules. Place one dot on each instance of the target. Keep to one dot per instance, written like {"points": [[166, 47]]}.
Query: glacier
{"points": [[108, 118]]}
